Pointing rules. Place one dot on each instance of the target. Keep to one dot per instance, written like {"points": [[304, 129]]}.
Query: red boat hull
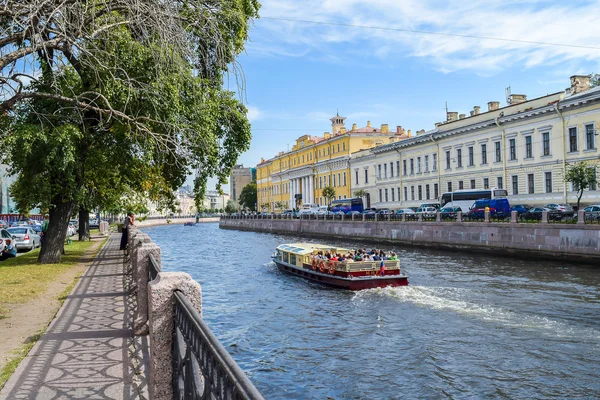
{"points": [[351, 283]]}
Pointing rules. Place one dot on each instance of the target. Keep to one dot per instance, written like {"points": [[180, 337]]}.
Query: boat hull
{"points": [[354, 283]]}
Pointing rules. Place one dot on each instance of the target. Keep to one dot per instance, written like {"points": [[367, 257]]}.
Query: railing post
{"points": [[544, 217], [375, 217], [438, 217], [486, 216], [363, 217], [141, 262], [352, 217], [403, 217], [580, 217], [389, 217], [420, 217], [160, 299], [514, 217], [459, 216]]}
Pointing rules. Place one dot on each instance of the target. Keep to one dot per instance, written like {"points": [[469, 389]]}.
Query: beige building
{"points": [[524, 147], [239, 178]]}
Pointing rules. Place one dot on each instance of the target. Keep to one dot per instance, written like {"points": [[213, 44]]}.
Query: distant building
{"points": [[7, 204], [215, 201], [239, 178]]}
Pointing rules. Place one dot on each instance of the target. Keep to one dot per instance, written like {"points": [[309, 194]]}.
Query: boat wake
{"points": [[452, 300]]}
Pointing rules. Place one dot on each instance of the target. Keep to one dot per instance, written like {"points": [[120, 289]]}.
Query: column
{"points": [[292, 203], [311, 188], [305, 196], [297, 185]]}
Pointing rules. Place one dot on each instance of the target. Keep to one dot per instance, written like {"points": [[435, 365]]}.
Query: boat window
{"points": [[292, 259], [285, 257]]}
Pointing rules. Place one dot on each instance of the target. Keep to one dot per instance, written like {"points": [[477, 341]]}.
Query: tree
{"points": [[125, 97], [248, 196], [582, 175], [594, 80], [329, 194], [265, 206], [231, 207], [280, 205], [360, 193]]}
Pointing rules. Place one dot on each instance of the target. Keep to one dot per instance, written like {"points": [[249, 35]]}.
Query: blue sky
{"points": [[297, 74]]}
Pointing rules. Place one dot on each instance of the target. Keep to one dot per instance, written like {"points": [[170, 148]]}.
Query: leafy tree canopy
{"points": [[248, 196], [582, 175], [329, 193]]}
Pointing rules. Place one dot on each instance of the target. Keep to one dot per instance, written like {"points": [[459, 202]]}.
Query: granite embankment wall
{"points": [[574, 242]]}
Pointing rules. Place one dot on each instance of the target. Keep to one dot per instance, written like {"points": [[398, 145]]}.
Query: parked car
{"points": [[75, 223], [25, 237], [385, 211], [368, 212], [520, 208], [351, 213], [94, 223], [427, 212], [535, 214], [323, 210], [592, 212], [405, 211], [435, 205], [5, 239], [499, 208], [566, 209], [450, 212], [71, 230], [4, 224]]}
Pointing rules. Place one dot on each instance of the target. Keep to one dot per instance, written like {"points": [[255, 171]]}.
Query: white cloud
{"points": [[534, 21], [254, 113]]}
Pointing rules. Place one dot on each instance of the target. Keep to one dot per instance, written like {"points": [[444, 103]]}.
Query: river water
{"points": [[467, 326]]}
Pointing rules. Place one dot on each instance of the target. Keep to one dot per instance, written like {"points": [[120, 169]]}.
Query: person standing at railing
{"points": [[129, 221]]}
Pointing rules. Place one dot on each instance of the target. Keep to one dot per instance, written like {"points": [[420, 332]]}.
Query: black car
{"points": [[535, 214], [449, 212]]}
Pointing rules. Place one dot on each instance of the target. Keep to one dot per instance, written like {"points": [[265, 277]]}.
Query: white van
{"points": [[308, 208], [323, 210]]}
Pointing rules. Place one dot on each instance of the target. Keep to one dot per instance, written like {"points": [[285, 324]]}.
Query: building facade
{"points": [[300, 175], [239, 178], [524, 147]]}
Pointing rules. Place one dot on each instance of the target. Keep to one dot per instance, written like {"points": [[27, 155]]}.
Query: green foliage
{"points": [[279, 205], [248, 196], [595, 80], [231, 207], [360, 193], [329, 193], [582, 175]]}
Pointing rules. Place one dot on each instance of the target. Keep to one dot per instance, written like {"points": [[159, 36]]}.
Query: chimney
{"points": [[518, 98], [438, 124], [422, 131], [384, 128], [399, 129], [393, 139], [353, 127], [409, 133], [476, 110], [342, 130], [368, 123], [461, 116], [580, 83], [451, 116], [326, 135], [493, 105]]}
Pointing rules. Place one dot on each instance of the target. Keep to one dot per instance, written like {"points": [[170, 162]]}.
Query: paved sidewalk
{"points": [[88, 351]]}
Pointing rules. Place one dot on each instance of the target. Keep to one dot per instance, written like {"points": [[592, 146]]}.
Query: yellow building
{"points": [[299, 176]]}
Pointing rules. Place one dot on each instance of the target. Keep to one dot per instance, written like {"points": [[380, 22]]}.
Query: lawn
{"points": [[22, 278]]}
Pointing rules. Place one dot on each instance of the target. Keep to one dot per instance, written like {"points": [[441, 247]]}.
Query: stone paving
{"points": [[88, 351]]}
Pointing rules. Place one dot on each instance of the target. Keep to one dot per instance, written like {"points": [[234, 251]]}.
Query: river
{"points": [[468, 326]]}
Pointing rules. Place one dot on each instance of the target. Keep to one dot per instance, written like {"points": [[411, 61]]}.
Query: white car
{"points": [[322, 210], [25, 237], [71, 230]]}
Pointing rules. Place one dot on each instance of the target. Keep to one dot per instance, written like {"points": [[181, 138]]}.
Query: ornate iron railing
{"points": [[202, 368]]}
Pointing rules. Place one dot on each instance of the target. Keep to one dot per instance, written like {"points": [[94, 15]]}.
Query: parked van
{"points": [[323, 210], [499, 208], [308, 208]]}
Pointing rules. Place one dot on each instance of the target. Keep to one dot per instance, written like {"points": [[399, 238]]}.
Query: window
{"points": [[356, 176], [391, 170], [412, 192], [459, 158], [398, 170], [404, 167], [385, 170], [334, 180], [515, 184], [393, 194], [512, 145], [498, 151], [379, 171], [499, 183], [412, 166], [572, 140], [448, 159], [405, 193], [338, 149], [386, 195], [589, 137], [472, 183], [367, 175], [302, 157], [460, 185], [471, 157], [435, 162], [339, 180], [528, 147], [344, 146], [546, 143], [380, 195], [418, 165], [484, 153], [344, 179], [530, 184], [436, 191], [427, 192], [548, 182], [449, 186], [486, 183], [399, 198], [420, 192], [426, 163]]}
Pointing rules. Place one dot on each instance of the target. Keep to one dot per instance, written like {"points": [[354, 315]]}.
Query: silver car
{"points": [[25, 237]]}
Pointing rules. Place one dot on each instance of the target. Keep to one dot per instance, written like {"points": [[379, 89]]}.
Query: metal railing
{"points": [[202, 368]]}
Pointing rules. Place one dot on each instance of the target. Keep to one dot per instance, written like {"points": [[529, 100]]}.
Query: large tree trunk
{"points": [[84, 224], [54, 240]]}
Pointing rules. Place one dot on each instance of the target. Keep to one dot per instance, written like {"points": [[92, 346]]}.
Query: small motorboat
{"points": [[189, 224], [304, 259]]}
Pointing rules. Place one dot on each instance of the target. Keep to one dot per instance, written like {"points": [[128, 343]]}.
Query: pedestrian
{"points": [[129, 221], [9, 251], [44, 228], [382, 268]]}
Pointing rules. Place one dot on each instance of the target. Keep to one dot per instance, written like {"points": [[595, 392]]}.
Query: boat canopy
{"points": [[308, 248]]}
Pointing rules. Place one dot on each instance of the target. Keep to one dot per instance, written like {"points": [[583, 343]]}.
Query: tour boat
{"points": [[301, 259]]}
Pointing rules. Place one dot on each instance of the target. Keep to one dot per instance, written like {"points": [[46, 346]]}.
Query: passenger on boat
{"points": [[382, 268]]}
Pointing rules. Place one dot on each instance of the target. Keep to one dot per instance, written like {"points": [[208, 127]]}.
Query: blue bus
{"points": [[347, 205]]}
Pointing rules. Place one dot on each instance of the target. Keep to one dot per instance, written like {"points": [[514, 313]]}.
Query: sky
{"points": [[381, 61]]}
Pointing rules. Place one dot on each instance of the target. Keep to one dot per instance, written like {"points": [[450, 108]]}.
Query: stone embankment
{"points": [[573, 241], [164, 221]]}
